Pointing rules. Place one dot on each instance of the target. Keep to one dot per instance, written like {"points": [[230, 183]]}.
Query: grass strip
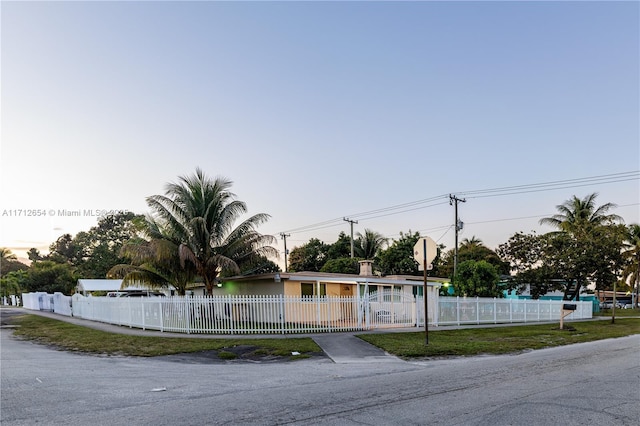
{"points": [[499, 340], [73, 337]]}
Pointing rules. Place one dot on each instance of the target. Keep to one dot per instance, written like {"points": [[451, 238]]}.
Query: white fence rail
{"points": [[460, 310], [56, 302], [284, 314]]}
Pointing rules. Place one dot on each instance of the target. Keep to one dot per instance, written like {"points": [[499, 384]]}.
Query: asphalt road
{"points": [[595, 383]]}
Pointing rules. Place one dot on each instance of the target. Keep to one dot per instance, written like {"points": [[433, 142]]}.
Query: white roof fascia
{"points": [[360, 280]]}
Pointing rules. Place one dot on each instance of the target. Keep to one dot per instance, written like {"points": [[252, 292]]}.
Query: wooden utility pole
{"points": [[346, 219], [453, 200], [284, 237]]}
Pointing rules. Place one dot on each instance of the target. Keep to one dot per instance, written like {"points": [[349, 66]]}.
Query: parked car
{"points": [[142, 293], [619, 305]]}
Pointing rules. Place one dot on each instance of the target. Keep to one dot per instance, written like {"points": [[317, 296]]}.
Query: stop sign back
{"points": [[425, 249]]}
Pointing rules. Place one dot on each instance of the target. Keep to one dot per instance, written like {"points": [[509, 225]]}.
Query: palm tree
{"points": [[577, 216], [201, 214], [631, 253], [474, 242], [369, 244], [579, 222], [155, 261], [6, 258], [7, 254]]}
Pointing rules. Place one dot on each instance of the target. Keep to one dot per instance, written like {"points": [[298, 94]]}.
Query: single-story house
{"points": [[384, 294], [323, 284]]}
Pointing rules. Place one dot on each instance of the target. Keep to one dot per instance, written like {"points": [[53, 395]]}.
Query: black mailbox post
{"points": [[567, 309]]}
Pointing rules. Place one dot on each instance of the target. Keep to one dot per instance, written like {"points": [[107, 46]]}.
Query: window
{"points": [[310, 289], [307, 289], [392, 291]]}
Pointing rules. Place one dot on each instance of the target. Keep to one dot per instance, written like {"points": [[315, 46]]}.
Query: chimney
{"points": [[366, 268]]}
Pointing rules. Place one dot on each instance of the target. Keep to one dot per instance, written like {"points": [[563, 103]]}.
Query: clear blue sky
{"points": [[318, 110]]}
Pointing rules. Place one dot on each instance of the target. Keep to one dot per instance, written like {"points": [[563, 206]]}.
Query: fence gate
{"points": [[389, 308]]}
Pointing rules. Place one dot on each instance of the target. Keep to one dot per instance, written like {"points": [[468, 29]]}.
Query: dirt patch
{"points": [[7, 315], [236, 354]]}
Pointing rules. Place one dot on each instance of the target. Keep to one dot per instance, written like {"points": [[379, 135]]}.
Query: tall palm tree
{"points": [[577, 216], [369, 244], [155, 261], [201, 213], [579, 222], [631, 253]]}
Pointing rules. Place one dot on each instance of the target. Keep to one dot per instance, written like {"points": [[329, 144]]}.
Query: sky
{"points": [[319, 111]]}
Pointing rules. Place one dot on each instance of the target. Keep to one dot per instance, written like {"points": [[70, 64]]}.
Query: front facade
{"points": [[391, 298]]}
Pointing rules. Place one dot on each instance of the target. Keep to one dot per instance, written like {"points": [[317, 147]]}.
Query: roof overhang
{"points": [[337, 278]]}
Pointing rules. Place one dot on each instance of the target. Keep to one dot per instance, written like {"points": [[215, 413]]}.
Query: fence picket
{"points": [[296, 314]]}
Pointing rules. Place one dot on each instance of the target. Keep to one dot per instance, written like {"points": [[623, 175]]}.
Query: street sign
{"points": [[424, 252], [419, 251]]}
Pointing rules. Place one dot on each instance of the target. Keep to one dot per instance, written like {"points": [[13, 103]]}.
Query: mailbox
{"points": [[569, 307]]}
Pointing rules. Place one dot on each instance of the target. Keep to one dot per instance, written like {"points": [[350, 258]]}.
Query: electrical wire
{"points": [[482, 193]]}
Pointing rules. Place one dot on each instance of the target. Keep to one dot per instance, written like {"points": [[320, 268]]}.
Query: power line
{"points": [[483, 193]]}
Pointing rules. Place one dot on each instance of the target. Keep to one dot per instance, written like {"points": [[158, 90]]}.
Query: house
{"points": [[393, 296], [326, 284]]}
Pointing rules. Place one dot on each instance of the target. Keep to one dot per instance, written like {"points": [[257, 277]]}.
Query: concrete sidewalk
{"points": [[346, 348]]}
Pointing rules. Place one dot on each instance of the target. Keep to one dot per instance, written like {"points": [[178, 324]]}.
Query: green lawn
{"points": [[465, 342], [499, 340], [82, 339], [619, 313]]}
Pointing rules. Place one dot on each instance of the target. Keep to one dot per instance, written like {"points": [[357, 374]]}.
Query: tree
{"points": [[34, 254], [578, 216], [12, 283], [260, 265], [202, 213], [7, 254], [93, 253], [343, 265], [477, 278], [525, 254], [154, 262], [474, 249], [66, 250], [50, 277], [309, 257], [341, 248], [397, 259], [369, 244], [631, 253], [9, 262], [579, 250]]}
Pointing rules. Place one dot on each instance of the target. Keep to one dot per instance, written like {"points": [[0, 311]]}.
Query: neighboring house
{"points": [[88, 286], [525, 293]]}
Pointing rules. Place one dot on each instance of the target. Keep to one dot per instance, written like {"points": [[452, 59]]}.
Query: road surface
{"points": [[595, 383]]}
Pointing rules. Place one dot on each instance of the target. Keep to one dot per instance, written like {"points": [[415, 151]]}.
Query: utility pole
{"points": [[284, 237], [346, 219], [453, 200]]}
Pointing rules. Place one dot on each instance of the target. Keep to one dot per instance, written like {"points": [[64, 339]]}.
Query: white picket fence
{"points": [[460, 310], [56, 302], [284, 314]]}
